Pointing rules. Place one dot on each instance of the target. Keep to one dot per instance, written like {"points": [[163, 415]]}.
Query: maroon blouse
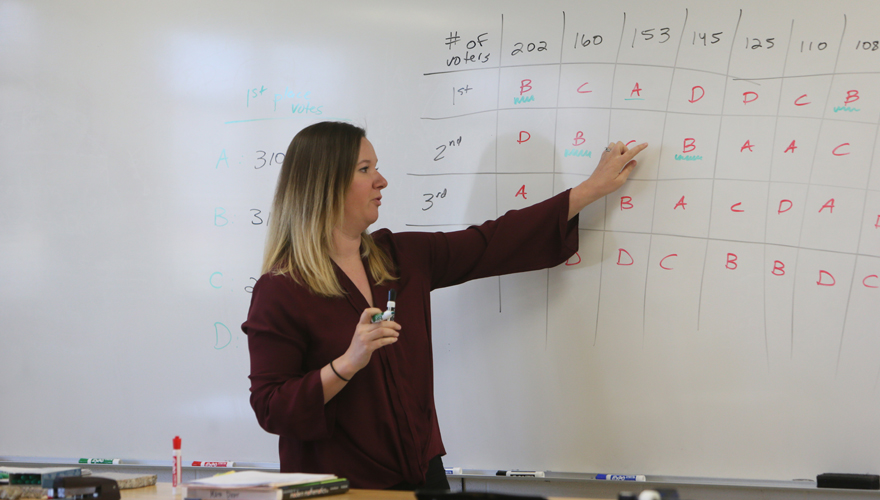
{"points": [[381, 429]]}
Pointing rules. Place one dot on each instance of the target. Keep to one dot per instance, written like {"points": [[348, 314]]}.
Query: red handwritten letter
{"points": [[689, 145], [790, 204], [778, 266], [822, 275], [636, 90], [681, 204], [796, 103], [521, 192], [865, 281], [626, 202], [829, 205], [791, 147], [851, 96], [835, 153], [734, 209], [747, 95], [748, 145], [525, 86], [578, 139], [581, 89], [664, 258], [620, 253], [527, 135], [694, 97], [570, 263], [731, 261]]}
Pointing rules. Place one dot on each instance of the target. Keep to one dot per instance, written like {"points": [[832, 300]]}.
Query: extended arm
{"points": [[612, 171]]}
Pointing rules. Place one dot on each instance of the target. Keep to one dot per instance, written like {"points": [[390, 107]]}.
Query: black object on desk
{"points": [[85, 488], [848, 481]]}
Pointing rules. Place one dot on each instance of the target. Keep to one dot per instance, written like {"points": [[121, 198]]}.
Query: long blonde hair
{"points": [[309, 202]]}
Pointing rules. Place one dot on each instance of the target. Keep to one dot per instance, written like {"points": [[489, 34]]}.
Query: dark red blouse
{"points": [[381, 429]]}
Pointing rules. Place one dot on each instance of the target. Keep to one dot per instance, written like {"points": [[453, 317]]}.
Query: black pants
{"points": [[435, 479]]}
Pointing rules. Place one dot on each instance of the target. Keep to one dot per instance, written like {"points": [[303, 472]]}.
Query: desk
{"points": [[162, 491]]}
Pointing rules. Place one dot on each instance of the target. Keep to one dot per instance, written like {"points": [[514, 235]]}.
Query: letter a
{"points": [[223, 159], [877, 224], [748, 145], [791, 147], [620, 253], [636, 90], [522, 191], [822, 274], [829, 205], [681, 204]]}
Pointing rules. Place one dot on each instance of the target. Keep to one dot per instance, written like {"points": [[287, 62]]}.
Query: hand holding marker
{"points": [[388, 315]]}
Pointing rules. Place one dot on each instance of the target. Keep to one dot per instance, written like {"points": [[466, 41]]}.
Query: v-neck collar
{"points": [[353, 293]]}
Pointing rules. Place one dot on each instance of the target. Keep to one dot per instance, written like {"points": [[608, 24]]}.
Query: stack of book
{"points": [[254, 485]]}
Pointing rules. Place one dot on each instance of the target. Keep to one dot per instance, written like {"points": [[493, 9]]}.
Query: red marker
{"points": [[213, 464], [176, 465]]}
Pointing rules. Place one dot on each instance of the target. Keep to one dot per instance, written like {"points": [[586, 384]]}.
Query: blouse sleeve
{"points": [[536, 237], [287, 396]]}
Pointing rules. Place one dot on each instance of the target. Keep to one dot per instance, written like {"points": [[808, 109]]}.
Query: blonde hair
{"points": [[309, 202]]}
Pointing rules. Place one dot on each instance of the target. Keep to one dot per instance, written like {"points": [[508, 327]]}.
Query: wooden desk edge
{"points": [[163, 491]]}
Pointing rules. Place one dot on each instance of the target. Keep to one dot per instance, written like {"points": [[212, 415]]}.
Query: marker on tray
{"points": [[388, 315], [213, 464], [621, 477], [102, 461], [520, 473], [453, 471], [176, 465]]}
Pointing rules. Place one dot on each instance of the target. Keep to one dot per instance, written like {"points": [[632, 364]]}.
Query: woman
{"points": [[352, 397]]}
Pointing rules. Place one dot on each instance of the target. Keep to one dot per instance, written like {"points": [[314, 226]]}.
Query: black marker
{"points": [[520, 473]]}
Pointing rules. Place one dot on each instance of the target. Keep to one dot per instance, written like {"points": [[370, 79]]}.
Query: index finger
{"points": [[367, 315], [633, 151]]}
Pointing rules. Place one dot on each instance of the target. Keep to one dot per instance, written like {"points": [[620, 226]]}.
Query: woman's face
{"points": [[364, 194]]}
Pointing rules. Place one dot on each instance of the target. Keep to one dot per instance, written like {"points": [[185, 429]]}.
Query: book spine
{"points": [[229, 494], [316, 490]]}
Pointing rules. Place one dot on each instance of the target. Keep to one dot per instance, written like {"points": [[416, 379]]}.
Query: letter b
{"points": [[731, 261]]}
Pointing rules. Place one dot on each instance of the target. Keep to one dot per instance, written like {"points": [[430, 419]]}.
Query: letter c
{"points": [[664, 258], [211, 280], [864, 281], [835, 153]]}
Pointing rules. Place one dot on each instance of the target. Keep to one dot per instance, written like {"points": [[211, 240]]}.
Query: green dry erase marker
{"points": [[102, 461], [388, 315]]}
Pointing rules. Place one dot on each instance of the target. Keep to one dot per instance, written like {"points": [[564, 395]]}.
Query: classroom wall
{"points": [[720, 316]]}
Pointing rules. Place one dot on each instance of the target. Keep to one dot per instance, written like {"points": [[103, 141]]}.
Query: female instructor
{"points": [[345, 395]]}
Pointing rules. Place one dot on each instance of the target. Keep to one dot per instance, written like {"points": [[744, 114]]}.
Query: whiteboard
{"points": [[720, 318]]}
